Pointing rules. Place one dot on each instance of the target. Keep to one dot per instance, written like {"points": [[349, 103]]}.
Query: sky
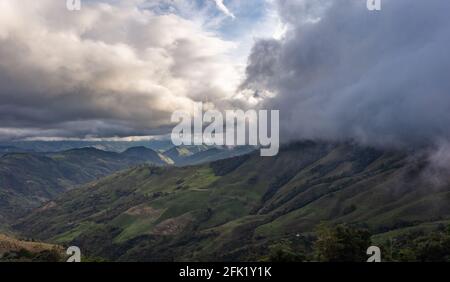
{"points": [[334, 69], [120, 68]]}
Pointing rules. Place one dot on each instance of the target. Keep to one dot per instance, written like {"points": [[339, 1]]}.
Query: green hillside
{"points": [[235, 209], [29, 179]]}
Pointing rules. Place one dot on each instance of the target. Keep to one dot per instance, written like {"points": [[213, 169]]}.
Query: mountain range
{"points": [[29, 179], [58, 146], [235, 209]]}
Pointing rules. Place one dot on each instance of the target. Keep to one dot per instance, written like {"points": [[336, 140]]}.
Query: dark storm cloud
{"points": [[343, 72]]}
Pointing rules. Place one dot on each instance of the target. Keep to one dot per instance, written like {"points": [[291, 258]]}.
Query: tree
{"points": [[433, 248], [341, 243], [283, 252]]}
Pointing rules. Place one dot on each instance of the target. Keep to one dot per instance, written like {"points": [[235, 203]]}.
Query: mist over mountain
{"points": [[342, 72]]}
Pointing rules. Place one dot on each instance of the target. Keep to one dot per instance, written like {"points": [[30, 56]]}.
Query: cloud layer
{"points": [[339, 71], [107, 70], [345, 73]]}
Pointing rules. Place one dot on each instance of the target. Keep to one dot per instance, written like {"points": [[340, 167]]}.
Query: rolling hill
{"points": [[231, 210], [29, 179]]}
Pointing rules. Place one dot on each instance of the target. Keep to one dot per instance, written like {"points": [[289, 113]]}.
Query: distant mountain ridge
{"points": [[12, 149], [112, 146]]}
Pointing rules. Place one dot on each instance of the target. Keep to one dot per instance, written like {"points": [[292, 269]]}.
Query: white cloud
{"points": [[109, 69], [221, 6]]}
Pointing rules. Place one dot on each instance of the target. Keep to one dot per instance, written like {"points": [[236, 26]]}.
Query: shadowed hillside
{"points": [[29, 179]]}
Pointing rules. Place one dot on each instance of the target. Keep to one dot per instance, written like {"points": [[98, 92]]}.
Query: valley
{"points": [[29, 179], [236, 209]]}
